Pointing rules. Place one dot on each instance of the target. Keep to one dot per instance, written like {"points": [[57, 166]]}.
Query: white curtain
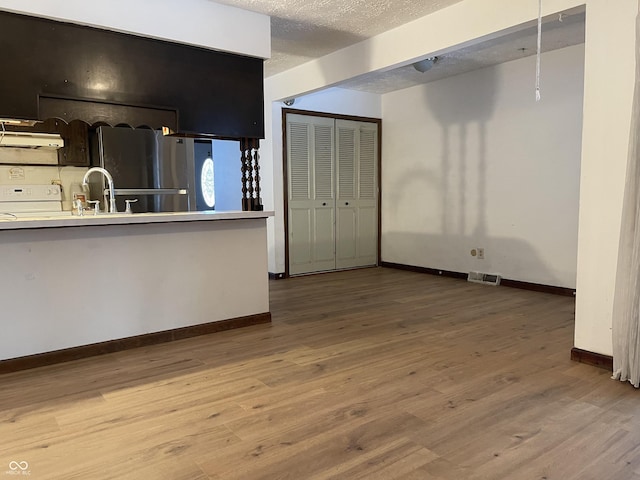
{"points": [[626, 309]]}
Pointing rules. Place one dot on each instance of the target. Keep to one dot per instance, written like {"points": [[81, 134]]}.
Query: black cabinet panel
{"points": [[100, 112], [211, 92]]}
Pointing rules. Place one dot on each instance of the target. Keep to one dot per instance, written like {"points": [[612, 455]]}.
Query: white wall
{"points": [[474, 161], [195, 22], [608, 96], [332, 100]]}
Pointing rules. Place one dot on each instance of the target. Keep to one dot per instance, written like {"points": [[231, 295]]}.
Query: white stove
{"points": [[27, 200]]}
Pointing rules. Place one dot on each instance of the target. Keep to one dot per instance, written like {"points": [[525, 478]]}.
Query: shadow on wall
{"points": [[444, 167], [512, 258], [456, 115], [445, 186]]}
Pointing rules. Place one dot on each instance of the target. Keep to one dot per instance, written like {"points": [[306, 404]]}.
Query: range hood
{"points": [[30, 140]]}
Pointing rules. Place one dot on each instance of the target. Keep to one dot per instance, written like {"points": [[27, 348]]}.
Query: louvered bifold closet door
{"points": [[311, 212], [357, 193]]}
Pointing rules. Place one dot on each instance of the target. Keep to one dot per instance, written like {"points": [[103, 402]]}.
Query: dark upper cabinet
{"points": [[55, 69]]}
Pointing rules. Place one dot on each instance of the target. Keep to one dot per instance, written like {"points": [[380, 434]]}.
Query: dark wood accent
{"points": [[336, 116], [430, 271], [256, 174], [102, 112], [285, 187], [244, 170], [591, 358], [535, 287], [57, 65], [250, 169], [76, 144], [379, 191], [285, 178], [85, 351]]}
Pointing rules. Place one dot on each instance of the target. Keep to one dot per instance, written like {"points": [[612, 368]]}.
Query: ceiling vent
{"points": [[30, 140]]}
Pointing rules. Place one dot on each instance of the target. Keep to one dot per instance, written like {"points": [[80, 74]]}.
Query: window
{"points": [[207, 183]]}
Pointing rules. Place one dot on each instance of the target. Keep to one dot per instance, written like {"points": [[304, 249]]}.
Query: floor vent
{"points": [[485, 278]]}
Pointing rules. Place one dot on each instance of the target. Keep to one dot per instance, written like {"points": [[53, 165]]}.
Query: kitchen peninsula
{"points": [[71, 286], [77, 286]]}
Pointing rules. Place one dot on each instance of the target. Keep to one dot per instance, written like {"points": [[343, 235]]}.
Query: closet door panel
{"points": [[311, 198], [300, 250], [346, 244], [356, 205], [367, 242], [367, 235], [325, 237], [346, 204]]}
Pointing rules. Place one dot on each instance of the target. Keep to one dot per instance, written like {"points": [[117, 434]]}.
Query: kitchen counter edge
{"points": [[125, 219]]}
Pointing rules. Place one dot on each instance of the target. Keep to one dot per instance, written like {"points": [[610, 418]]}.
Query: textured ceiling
{"points": [[302, 30], [516, 44]]}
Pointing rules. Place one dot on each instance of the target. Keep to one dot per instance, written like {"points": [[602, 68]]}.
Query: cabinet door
{"points": [[76, 144], [356, 203], [311, 199]]}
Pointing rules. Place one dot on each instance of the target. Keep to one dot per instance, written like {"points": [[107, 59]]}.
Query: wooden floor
{"points": [[367, 374]]}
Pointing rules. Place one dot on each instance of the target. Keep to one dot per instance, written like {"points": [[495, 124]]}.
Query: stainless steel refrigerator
{"points": [[155, 170]]}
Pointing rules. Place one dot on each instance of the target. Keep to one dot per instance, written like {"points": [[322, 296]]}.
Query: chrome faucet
{"points": [[107, 175]]}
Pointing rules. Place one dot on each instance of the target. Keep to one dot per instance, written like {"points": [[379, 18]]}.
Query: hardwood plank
{"points": [[364, 374]]}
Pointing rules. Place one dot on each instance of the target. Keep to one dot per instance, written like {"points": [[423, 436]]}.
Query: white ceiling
{"points": [[302, 30]]}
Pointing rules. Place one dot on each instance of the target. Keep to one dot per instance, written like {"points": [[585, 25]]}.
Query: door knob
{"points": [[346, 203], [324, 204]]}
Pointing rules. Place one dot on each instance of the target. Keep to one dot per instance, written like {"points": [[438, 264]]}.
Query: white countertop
{"points": [[65, 219]]}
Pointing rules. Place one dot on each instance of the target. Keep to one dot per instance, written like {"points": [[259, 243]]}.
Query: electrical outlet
{"points": [[480, 252]]}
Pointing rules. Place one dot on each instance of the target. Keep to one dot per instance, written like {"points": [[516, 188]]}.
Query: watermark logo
{"points": [[18, 468]]}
